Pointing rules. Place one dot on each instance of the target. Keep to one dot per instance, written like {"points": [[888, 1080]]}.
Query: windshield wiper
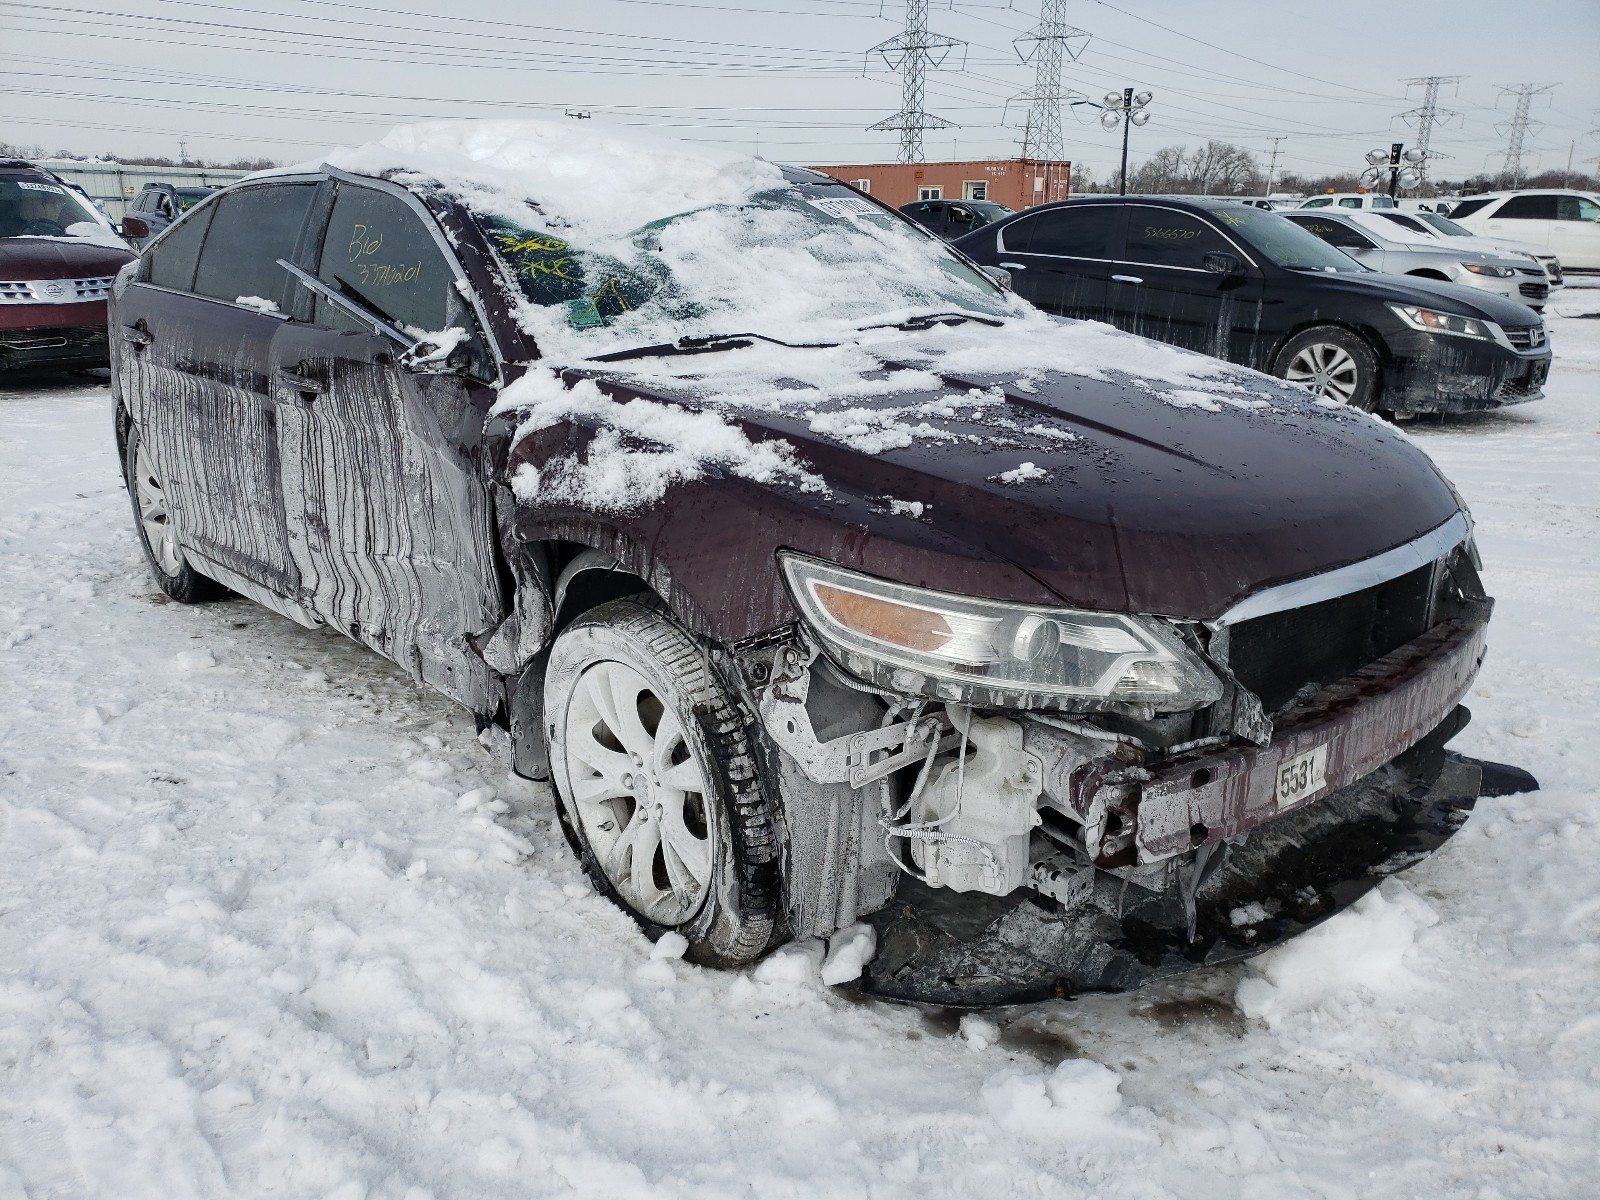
{"points": [[929, 320], [707, 344]]}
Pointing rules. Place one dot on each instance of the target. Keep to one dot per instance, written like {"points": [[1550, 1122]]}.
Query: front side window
{"points": [[250, 231], [1529, 208], [1165, 237], [379, 252], [1467, 207], [39, 208], [1319, 202], [1577, 208], [1086, 231], [1350, 202], [170, 262]]}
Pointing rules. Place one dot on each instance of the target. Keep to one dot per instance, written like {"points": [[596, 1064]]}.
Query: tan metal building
{"points": [[1014, 182]]}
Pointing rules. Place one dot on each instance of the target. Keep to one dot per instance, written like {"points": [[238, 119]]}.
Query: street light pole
{"points": [[1127, 106]]}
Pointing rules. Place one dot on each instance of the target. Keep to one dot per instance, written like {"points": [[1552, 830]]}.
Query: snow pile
{"points": [[1079, 1101], [640, 449], [849, 951], [1573, 301], [1355, 955]]}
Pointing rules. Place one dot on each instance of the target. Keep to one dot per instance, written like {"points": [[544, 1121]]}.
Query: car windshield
{"points": [[189, 197], [1443, 224], [1284, 242], [989, 208], [39, 208], [801, 263]]}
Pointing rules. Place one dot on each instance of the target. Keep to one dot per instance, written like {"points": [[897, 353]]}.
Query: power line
{"points": [[911, 52]]}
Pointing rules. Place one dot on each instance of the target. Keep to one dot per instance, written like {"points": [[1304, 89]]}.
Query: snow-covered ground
{"points": [[272, 924]]}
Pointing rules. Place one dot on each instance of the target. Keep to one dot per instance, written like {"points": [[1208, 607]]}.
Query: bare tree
{"points": [[1223, 169], [1163, 171]]}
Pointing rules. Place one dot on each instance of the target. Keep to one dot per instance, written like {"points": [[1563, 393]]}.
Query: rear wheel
{"points": [[158, 533], [1334, 363], [658, 784]]}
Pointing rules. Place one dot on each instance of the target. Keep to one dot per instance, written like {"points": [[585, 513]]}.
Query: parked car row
{"points": [[1261, 289], [877, 605], [1380, 241]]}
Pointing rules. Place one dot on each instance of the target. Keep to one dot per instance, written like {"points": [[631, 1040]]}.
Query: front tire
{"points": [[158, 534], [658, 783], [1334, 363]]}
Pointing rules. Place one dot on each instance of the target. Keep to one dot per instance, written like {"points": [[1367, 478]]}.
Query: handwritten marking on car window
{"points": [[366, 242], [1170, 235]]}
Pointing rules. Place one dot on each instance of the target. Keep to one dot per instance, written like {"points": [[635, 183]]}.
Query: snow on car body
{"points": [[832, 585]]}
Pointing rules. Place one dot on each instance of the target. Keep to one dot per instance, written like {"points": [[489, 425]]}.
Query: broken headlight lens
{"points": [[1430, 321], [974, 651]]}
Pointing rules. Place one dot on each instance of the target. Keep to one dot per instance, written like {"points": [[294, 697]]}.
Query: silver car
{"points": [[1545, 265], [1375, 242]]}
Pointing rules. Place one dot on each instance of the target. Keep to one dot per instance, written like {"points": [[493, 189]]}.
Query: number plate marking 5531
{"points": [[1301, 776]]}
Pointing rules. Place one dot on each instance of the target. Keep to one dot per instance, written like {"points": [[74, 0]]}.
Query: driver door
{"points": [[395, 542]]}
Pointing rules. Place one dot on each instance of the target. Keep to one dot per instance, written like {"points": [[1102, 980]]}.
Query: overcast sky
{"points": [[789, 78]]}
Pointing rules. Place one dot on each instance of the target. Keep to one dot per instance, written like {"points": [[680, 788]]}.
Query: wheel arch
{"points": [[1365, 332]]}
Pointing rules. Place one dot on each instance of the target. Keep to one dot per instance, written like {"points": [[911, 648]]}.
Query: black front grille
{"points": [[1534, 291], [1286, 655], [1527, 337]]}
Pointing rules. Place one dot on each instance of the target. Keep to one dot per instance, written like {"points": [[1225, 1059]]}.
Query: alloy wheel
{"points": [[640, 793], [155, 517], [1326, 369]]}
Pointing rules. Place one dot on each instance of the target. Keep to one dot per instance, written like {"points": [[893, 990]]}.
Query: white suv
{"points": [[1563, 222], [1350, 200]]}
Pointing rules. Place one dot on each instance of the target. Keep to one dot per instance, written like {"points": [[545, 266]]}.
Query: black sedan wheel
{"points": [[1334, 364], [158, 530]]}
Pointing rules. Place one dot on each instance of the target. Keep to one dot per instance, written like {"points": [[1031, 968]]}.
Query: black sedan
{"points": [[1253, 288], [951, 219]]}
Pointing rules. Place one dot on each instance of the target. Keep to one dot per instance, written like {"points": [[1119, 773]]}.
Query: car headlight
{"points": [[991, 653], [1490, 270], [1430, 321]]}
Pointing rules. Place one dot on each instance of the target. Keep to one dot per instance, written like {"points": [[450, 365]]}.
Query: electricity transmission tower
{"points": [[1047, 43], [1520, 126], [1428, 114], [911, 52]]}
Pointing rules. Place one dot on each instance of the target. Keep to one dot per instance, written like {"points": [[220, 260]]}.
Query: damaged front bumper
{"points": [[1141, 866], [971, 949]]}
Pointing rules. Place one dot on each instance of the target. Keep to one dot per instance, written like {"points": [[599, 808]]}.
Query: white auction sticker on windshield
{"points": [[847, 206], [39, 187]]}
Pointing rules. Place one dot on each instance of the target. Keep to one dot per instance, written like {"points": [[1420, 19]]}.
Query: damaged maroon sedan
{"points": [[834, 588]]}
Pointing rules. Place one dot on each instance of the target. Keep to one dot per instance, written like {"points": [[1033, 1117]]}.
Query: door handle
{"points": [[304, 384], [1012, 266], [136, 336], [1126, 279]]}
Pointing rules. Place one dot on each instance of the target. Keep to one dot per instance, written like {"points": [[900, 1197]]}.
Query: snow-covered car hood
{"points": [[1138, 478]]}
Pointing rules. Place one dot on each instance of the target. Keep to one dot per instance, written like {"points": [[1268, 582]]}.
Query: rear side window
{"points": [[1334, 233], [1576, 208], [1092, 231], [1528, 208], [1319, 202], [1405, 222], [1164, 237], [378, 251], [251, 230], [171, 261]]}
